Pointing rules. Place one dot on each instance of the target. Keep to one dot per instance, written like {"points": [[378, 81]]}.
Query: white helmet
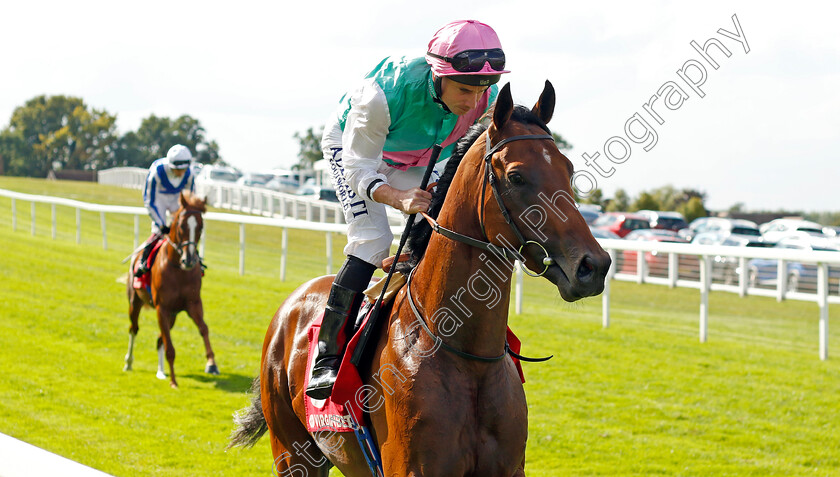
{"points": [[179, 157]]}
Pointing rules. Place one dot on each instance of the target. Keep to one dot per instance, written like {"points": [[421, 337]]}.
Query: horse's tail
{"points": [[250, 422]]}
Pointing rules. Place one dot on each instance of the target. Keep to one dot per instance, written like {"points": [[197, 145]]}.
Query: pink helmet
{"points": [[468, 51]]}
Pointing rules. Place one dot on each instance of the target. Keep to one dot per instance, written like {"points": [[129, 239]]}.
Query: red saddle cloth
{"points": [[344, 408], [145, 281]]}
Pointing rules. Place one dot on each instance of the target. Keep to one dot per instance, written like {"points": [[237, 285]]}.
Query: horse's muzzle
{"points": [[585, 278]]}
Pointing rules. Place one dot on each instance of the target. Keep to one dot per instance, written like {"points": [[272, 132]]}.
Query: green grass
{"points": [[643, 397]]}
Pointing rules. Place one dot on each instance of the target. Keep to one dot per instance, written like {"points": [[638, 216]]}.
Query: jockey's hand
{"points": [[164, 230], [409, 201]]}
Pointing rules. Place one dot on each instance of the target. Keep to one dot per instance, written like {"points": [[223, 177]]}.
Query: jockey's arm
{"points": [[150, 200]]}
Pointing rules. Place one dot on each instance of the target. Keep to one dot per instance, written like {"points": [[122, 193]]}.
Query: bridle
{"points": [[506, 252], [184, 244]]}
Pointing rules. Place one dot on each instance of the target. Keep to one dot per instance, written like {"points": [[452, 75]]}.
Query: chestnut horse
{"points": [[460, 410], [175, 287]]}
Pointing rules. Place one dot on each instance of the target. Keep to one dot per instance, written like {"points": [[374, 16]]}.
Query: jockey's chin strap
{"points": [[490, 177]]}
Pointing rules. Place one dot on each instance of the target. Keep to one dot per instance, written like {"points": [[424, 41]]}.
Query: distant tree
{"points": [[596, 197], [645, 201], [736, 208], [620, 202], [310, 148], [693, 209], [667, 197], [562, 144], [57, 132], [156, 135]]}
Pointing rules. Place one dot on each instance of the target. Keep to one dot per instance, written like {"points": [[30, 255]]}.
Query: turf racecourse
{"points": [[643, 397]]}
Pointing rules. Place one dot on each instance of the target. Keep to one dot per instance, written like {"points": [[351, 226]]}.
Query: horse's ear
{"points": [[182, 199], [544, 108], [503, 108]]}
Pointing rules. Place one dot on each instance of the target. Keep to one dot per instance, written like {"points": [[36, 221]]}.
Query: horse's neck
{"points": [[463, 292]]}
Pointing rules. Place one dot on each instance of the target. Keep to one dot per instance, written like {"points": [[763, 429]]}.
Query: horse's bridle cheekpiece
{"points": [[485, 244], [490, 176], [179, 247]]}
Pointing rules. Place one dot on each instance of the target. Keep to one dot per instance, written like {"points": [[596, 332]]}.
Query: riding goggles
{"points": [[471, 61]]}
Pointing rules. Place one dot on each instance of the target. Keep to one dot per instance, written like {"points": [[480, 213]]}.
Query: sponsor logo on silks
{"points": [[345, 194], [334, 421]]}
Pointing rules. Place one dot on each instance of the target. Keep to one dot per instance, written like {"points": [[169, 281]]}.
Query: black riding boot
{"points": [[143, 269], [344, 301]]}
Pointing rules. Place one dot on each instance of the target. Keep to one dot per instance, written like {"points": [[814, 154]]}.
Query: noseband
{"points": [[490, 177]]}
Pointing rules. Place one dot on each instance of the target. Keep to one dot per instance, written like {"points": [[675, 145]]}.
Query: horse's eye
{"points": [[516, 178]]}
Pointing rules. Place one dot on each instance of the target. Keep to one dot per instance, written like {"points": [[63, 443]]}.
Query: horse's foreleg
{"points": [[161, 373], [165, 321], [135, 304], [196, 312]]}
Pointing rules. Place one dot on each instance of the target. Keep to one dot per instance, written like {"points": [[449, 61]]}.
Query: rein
{"points": [[440, 343], [485, 244]]}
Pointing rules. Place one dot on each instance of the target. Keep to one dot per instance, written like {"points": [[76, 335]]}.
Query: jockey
{"points": [[379, 141], [168, 176]]}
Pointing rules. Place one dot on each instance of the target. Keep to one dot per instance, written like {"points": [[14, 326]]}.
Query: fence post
{"points": [[104, 233], [284, 246], [641, 266], [242, 249], [605, 295], [673, 269], [78, 225], [704, 296], [32, 224], [136, 231], [329, 252], [52, 210], [743, 279], [781, 279], [203, 239], [822, 301]]}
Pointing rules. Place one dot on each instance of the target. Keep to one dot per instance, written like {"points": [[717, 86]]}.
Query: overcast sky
{"points": [[765, 133]]}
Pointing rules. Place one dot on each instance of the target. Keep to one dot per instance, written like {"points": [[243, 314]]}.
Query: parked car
{"points": [[778, 229], [254, 179], [602, 233], [689, 232], [621, 223], [688, 266], [321, 193], [831, 231], [664, 219], [211, 173], [799, 276], [720, 226], [726, 269], [590, 212], [282, 184]]}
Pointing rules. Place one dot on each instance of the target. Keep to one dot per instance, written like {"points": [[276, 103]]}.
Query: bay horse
{"points": [[175, 287], [443, 396]]}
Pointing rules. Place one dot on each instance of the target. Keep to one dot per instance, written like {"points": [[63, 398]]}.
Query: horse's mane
{"points": [[194, 202], [421, 232]]}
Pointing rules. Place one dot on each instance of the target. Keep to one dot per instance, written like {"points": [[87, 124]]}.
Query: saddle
{"points": [[145, 281]]}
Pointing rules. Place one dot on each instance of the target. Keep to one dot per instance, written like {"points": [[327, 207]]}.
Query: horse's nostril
{"points": [[586, 269]]}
